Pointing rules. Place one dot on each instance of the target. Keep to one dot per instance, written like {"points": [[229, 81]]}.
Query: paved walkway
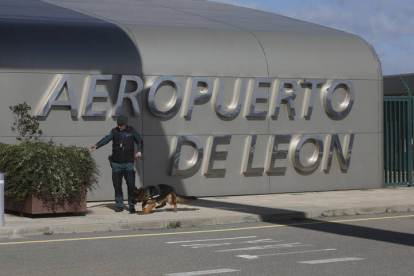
{"points": [[100, 216]]}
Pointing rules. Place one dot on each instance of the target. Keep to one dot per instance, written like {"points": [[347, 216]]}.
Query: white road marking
{"points": [[204, 272], [267, 247], [332, 260], [251, 257], [263, 240], [235, 238], [201, 245]]}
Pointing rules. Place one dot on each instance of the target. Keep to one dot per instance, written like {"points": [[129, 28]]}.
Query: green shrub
{"points": [[51, 172], [25, 125]]}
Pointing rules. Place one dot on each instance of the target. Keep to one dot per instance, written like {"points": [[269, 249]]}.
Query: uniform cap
{"points": [[122, 120]]}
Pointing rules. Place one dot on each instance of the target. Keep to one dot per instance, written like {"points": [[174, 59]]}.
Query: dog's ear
{"points": [[136, 189]]}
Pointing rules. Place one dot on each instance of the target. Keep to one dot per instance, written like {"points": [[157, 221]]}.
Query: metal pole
{"points": [[1, 199]]}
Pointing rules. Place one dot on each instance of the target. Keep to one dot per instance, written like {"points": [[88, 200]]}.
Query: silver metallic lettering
{"points": [[194, 164], [88, 112], [311, 97], [248, 166], [335, 144], [346, 105], [52, 99], [286, 97], [203, 97], [315, 159], [174, 105], [217, 155], [258, 96], [132, 96], [277, 154], [235, 106]]}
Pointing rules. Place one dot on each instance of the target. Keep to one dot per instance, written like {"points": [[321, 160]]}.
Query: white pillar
{"points": [[1, 199]]}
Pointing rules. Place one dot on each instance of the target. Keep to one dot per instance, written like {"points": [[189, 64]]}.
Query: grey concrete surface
{"points": [[100, 216]]}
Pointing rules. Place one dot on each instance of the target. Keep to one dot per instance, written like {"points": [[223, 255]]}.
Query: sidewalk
{"points": [[218, 210]]}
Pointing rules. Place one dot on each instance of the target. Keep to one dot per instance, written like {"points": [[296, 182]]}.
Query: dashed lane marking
{"points": [[259, 241], [203, 245], [204, 272], [223, 239], [251, 257], [332, 260], [287, 245]]}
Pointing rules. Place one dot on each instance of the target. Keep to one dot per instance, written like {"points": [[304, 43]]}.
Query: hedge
{"points": [[51, 172]]}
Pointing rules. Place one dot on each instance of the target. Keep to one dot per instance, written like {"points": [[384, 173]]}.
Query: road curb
{"points": [[191, 222]]}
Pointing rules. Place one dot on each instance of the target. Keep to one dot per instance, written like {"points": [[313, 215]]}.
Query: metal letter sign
{"points": [[196, 97], [258, 96], [311, 98], [277, 153], [132, 96], [250, 150], [217, 155], [316, 157], [343, 159], [348, 102], [245, 89], [286, 96], [88, 112], [233, 109], [52, 99], [194, 164], [172, 106]]}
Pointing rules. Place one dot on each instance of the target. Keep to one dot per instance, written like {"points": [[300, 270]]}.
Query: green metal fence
{"points": [[398, 140]]}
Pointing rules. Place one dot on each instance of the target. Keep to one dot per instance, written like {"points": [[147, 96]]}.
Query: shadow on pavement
{"points": [[273, 215]]}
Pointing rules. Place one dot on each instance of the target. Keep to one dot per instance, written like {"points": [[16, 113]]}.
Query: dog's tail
{"points": [[181, 198]]}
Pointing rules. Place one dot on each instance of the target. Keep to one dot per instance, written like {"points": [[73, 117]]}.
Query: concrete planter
{"points": [[36, 206]]}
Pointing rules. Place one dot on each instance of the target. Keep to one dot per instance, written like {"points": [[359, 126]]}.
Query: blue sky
{"points": [[388, 25]]}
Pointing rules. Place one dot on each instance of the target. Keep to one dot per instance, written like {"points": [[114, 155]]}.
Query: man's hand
{"points": [[138, 155], [93, 148]]}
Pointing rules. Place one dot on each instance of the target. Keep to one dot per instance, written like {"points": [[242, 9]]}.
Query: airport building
{"points": [[228, 100]]}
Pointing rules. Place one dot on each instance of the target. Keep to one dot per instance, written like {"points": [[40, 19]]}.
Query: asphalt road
{"points": [[360, 245]]}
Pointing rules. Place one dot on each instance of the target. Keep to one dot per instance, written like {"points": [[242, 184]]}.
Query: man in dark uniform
{"points": [[122, 161]]}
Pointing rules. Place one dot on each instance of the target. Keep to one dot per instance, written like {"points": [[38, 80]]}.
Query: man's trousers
{"points": [[119, 171]]}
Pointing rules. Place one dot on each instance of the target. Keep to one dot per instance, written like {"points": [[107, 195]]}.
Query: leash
{"points": [[139, 177], [157, 189]]}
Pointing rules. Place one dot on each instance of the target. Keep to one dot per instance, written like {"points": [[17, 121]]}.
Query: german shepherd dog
{"points": [[148, 196]]}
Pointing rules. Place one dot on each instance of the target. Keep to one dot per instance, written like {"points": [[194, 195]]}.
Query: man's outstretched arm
{"points": [[103, 142]]}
